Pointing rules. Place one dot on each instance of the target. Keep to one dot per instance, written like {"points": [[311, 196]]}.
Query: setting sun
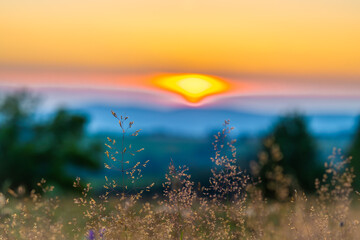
{"points": [[193, 87]]}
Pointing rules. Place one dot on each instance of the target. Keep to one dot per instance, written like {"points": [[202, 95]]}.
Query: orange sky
{"points": [[280, 37], [130, 87]]}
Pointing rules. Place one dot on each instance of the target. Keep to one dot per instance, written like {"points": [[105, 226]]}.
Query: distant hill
{"points": [[198, 122], [183, 135]]}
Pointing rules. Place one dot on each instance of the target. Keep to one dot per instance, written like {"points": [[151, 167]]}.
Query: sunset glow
{"points": [[252, 37], [132, 49], [193, 87]]}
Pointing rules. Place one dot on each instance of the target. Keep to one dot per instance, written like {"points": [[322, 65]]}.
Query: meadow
{"points": [[234, 204], [286, 73]]}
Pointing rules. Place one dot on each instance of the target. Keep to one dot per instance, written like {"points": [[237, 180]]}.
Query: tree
{"points": [[298, 150], [31, 150], [355, 154], [274, 182]]}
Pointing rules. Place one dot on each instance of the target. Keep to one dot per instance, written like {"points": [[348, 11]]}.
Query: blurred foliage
{"points": [[355, 154], [31, 150], [274, 182], [298, 152]]}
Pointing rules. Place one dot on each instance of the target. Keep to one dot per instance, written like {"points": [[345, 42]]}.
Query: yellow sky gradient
{"points": [[297, 37]]}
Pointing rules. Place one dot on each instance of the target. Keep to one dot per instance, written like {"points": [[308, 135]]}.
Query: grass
{"points": [[231, 206]]}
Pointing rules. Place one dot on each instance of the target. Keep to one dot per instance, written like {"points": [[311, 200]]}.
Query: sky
{"points": [[306, 52]]}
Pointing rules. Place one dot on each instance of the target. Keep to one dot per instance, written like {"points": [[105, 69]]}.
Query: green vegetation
{"points": [[271, 201], [232, 206], [355, 153], [32, 150], [291, 150]]}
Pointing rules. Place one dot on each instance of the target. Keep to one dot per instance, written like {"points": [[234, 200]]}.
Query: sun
{"points": [[193, 87]]}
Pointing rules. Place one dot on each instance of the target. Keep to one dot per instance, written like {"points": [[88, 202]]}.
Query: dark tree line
{"points": [[31, 150], [298, 148], [355, 154]]}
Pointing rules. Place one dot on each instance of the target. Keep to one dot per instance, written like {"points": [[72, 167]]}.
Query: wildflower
{"points": [[91, 235], [101, 233]]}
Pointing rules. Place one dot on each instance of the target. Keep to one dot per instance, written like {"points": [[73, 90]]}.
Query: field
{"points": [[234, 204], [75, 74]]}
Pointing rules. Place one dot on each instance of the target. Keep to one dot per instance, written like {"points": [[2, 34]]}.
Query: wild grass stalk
{"points": [[234, 205]]}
